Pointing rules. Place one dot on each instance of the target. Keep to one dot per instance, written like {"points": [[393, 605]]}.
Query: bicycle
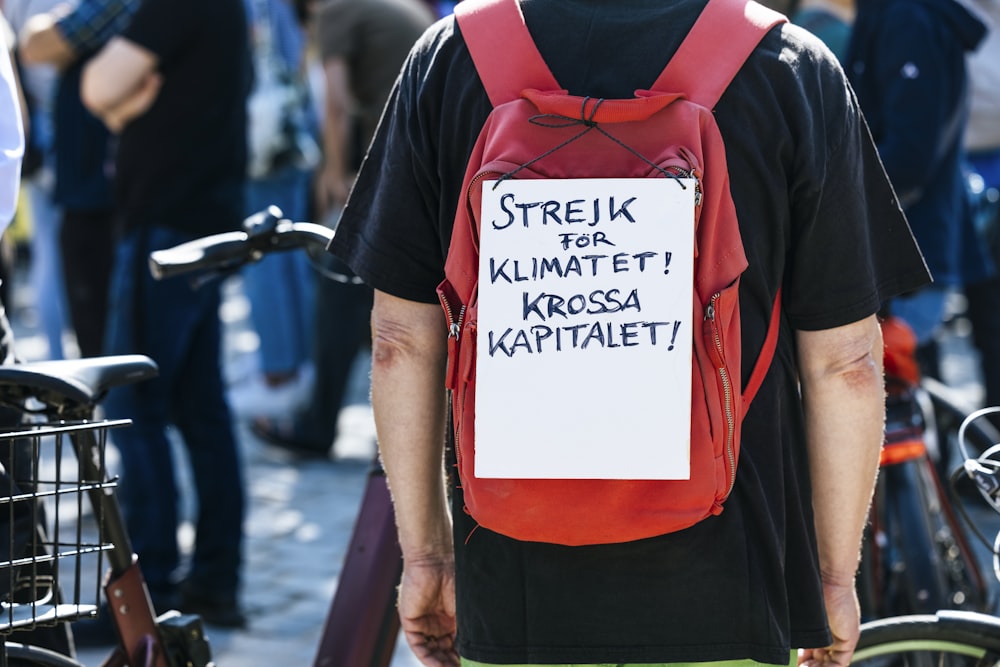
{"points": [[362, 623], [948, 637], [915, 556], [44, 580]]}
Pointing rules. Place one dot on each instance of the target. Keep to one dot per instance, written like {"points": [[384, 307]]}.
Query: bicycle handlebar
{"points": [[263, 232]]}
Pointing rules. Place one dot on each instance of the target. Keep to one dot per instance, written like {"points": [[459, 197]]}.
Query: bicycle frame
{"points": [[69, 391], [916, 557], [946, 638]]}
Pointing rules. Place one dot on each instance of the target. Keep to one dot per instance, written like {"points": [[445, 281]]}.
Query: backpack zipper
{"points": [[718, 358], [691, 172], [454, 324], [451, 382], [479, 177], [454, 331]]}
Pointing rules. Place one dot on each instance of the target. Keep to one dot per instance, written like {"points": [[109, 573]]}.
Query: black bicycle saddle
{"points": [[73, 381]]}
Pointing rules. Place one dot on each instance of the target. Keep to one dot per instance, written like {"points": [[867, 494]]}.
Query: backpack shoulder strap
{"points": [[767, 351], [723, 37], [502, 49]]}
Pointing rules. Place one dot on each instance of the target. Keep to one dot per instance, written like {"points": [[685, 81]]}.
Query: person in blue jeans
{"points": [[188, 393], [173, 85], [83, 147], [907, 64], [280, 286], [982, 143], [361, 47], [281, 291]]}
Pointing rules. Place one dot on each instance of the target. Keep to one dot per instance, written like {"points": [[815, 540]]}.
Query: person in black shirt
{"points": [[775, 571], [174, 84]]}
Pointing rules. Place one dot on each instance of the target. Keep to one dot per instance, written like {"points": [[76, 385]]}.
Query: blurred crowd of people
{"points": [[927, 77], [152, 122]]}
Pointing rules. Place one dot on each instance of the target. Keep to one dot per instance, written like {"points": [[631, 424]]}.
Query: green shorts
{"points": [[720, 663]]}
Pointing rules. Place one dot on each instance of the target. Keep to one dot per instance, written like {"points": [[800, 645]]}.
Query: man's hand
{"points": [[120, 82], [844, 616], [136, 104], [41, 41], [427, 610]]}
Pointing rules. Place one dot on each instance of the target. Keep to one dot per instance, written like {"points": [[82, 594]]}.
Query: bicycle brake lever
{"points": [[984, 478]]}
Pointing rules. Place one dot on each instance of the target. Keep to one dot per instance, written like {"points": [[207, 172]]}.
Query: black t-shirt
{"points": [[817, 215], [182, 163]]}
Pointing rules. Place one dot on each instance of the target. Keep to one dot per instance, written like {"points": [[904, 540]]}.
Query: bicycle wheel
{"points": [[946, 639], [23, 655]]}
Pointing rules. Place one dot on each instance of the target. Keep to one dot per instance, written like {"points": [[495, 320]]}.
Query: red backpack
{"points": [[537, 131]]}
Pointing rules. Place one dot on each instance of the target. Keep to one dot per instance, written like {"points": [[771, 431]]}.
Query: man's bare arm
{"points": [[843, 393], [120, 82], [333, 182], [41, 41], [409, 344], [409, 351]]}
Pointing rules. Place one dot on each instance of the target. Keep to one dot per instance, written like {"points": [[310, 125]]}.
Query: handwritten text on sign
{"points": [[584, 333]]}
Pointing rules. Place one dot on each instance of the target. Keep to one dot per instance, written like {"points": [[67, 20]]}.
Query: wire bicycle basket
{"points": [[50, 476]]}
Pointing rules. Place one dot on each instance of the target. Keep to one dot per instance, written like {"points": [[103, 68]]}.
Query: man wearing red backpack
{"points": [[771, 569]]}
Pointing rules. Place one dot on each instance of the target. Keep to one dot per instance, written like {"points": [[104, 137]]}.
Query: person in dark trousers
{"points": [[67, 38], [982, 143], [774, 572], [283, 152], [907, 63], [362, 44], [174, 84]]}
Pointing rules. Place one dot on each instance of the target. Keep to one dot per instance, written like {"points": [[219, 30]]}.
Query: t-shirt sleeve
{"points": [[851, 247], [390, 233], [164, 26], [91, 23]]}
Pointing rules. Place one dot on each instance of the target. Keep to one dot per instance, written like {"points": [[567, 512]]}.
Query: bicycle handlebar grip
{"points": [[211, 252]]}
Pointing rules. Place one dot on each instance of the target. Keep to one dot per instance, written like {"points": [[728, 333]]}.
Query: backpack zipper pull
{"points": [[454, 331]]}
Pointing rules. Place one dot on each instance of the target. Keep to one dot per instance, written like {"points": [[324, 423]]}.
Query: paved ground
{"points": [[301, 514], [300, 517]]}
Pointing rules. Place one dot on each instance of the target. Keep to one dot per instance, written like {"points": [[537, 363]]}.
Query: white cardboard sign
{"points": [[584, 332]]}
